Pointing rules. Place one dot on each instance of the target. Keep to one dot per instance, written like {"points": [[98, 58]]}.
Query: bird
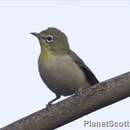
{"points": [[60, 68]]}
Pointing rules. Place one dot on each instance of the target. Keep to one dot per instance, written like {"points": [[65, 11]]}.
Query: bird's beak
{"points": [[36, 34]]}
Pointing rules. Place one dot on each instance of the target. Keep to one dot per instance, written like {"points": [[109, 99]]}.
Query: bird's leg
{"points": [[50, 103]]}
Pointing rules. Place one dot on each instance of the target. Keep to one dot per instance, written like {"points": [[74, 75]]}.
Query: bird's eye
{"points": [[49, 38]]}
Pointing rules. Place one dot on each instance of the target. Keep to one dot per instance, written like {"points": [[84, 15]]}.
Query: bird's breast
{"points": [[61, 74]]}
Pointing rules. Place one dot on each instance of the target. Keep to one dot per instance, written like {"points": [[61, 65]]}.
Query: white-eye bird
{"points": [[60, 68]]}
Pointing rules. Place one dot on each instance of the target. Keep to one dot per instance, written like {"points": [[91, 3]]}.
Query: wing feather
{"points": [[88, 73]]}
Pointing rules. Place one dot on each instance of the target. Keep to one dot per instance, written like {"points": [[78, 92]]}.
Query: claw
{"points": [[50, 103]]}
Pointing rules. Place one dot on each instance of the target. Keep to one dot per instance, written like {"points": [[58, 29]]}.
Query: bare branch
{"points": [[76, 106]]}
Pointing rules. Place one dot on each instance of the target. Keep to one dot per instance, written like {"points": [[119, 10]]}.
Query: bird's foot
{"points": [[48, 105], [78, 92]]}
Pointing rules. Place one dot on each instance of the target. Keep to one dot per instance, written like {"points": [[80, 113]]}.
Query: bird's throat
{"points": [[47, 54]]}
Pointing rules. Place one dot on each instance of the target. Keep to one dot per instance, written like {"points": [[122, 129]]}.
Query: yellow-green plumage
{"points": [[60, 68]]}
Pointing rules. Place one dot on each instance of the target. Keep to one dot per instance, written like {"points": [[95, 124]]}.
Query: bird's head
{"points": [[53, 40]]}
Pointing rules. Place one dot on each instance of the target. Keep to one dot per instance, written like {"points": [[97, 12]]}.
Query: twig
{"points": [[76, 106]]}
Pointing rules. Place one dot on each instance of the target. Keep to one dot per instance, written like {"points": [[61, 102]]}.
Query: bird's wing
{"points": [[88, 73]]}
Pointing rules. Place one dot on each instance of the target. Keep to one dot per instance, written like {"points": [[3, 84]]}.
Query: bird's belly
{"points": [[62, 75]]}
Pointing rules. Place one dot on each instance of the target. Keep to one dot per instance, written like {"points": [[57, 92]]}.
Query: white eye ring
{"points": [[49, 38]]}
